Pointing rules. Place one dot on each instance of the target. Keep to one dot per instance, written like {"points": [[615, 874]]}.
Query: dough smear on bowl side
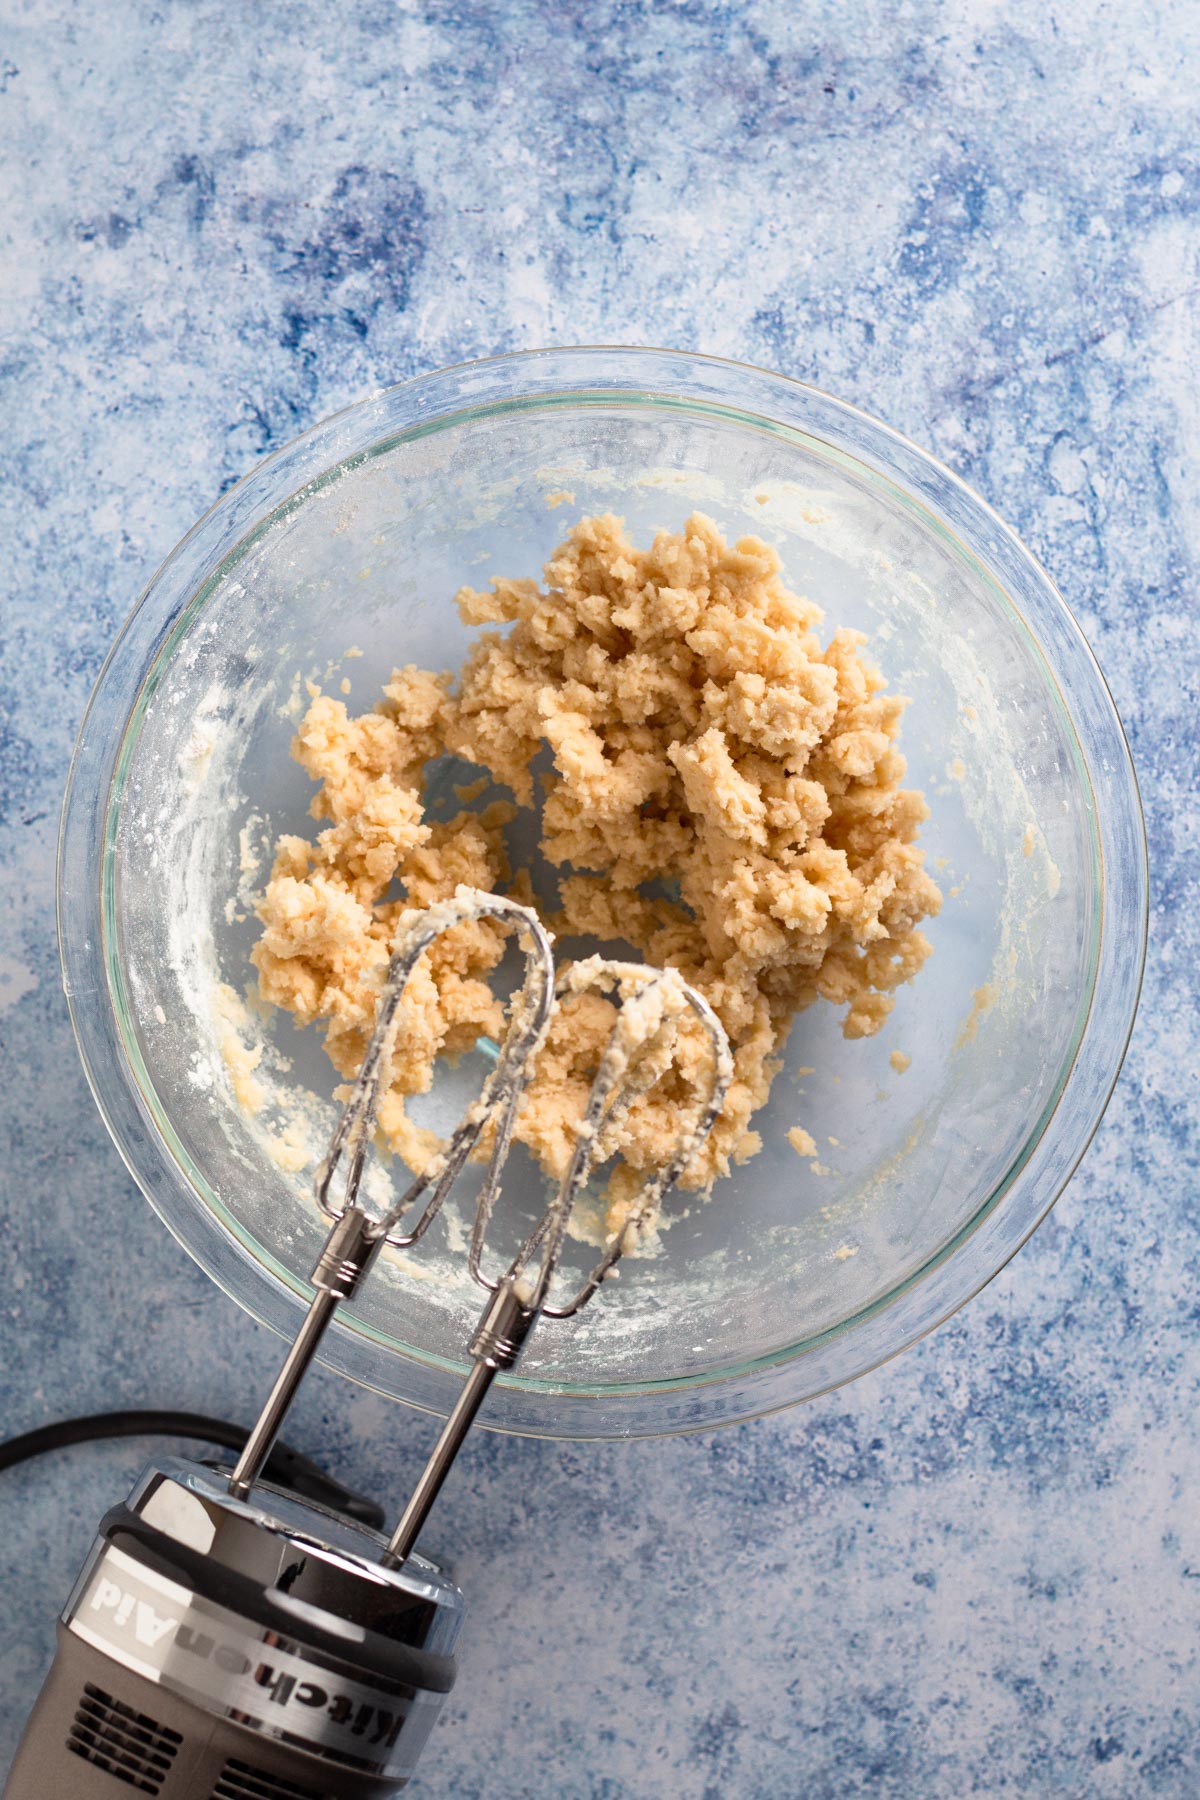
{"points": [[725, 796]]}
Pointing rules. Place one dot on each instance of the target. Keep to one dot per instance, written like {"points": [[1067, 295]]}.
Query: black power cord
{"points": [[285, 1466]]}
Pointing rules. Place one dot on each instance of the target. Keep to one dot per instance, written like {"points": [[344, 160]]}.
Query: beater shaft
{"points": [[499, 1339], [349, 1251], [258, 1446], [450, 1442]]}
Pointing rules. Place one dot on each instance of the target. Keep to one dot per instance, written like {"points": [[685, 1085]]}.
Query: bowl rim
{"points": [[86, 806]]}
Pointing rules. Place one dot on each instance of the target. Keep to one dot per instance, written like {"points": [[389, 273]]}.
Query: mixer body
{"points": [[228, 1641], [215, 1649]]}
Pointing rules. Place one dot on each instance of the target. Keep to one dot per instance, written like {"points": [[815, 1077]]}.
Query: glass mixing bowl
{"points": [[337, 558]]}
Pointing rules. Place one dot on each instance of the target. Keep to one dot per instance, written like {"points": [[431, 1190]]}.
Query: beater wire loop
{"points": [[501, 1094]]}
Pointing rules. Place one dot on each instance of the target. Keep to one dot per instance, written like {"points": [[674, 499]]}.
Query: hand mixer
{"points": [[228, 1641]]}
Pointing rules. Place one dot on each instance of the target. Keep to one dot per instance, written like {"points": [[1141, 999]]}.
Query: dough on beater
{"points": [[725, 796]]}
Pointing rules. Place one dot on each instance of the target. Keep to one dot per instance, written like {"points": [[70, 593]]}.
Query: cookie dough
{"points": [[723, 793]]}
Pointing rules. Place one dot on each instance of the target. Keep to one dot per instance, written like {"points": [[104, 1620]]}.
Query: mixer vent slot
{"points": [[127, 1744], [240, 1781]]}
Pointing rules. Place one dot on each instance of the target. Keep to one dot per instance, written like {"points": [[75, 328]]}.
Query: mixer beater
{"points": [[226, 1641]]}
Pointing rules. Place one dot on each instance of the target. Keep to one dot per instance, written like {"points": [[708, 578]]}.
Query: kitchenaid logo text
{"points": [[187, 1647]]}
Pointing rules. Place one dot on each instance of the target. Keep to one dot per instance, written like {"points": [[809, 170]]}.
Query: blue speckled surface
{"points": [[978, 1571]]}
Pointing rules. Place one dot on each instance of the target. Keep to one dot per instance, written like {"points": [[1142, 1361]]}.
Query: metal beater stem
{"points": [[259, 1444], [498, 1341], [348, 1253], [428, 1488]]}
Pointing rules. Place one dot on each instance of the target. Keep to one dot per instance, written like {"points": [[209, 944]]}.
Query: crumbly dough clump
{"points": [[724, 795]]}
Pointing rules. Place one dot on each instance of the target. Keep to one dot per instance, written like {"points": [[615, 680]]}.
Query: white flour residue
{"points": [[197, 755]]}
